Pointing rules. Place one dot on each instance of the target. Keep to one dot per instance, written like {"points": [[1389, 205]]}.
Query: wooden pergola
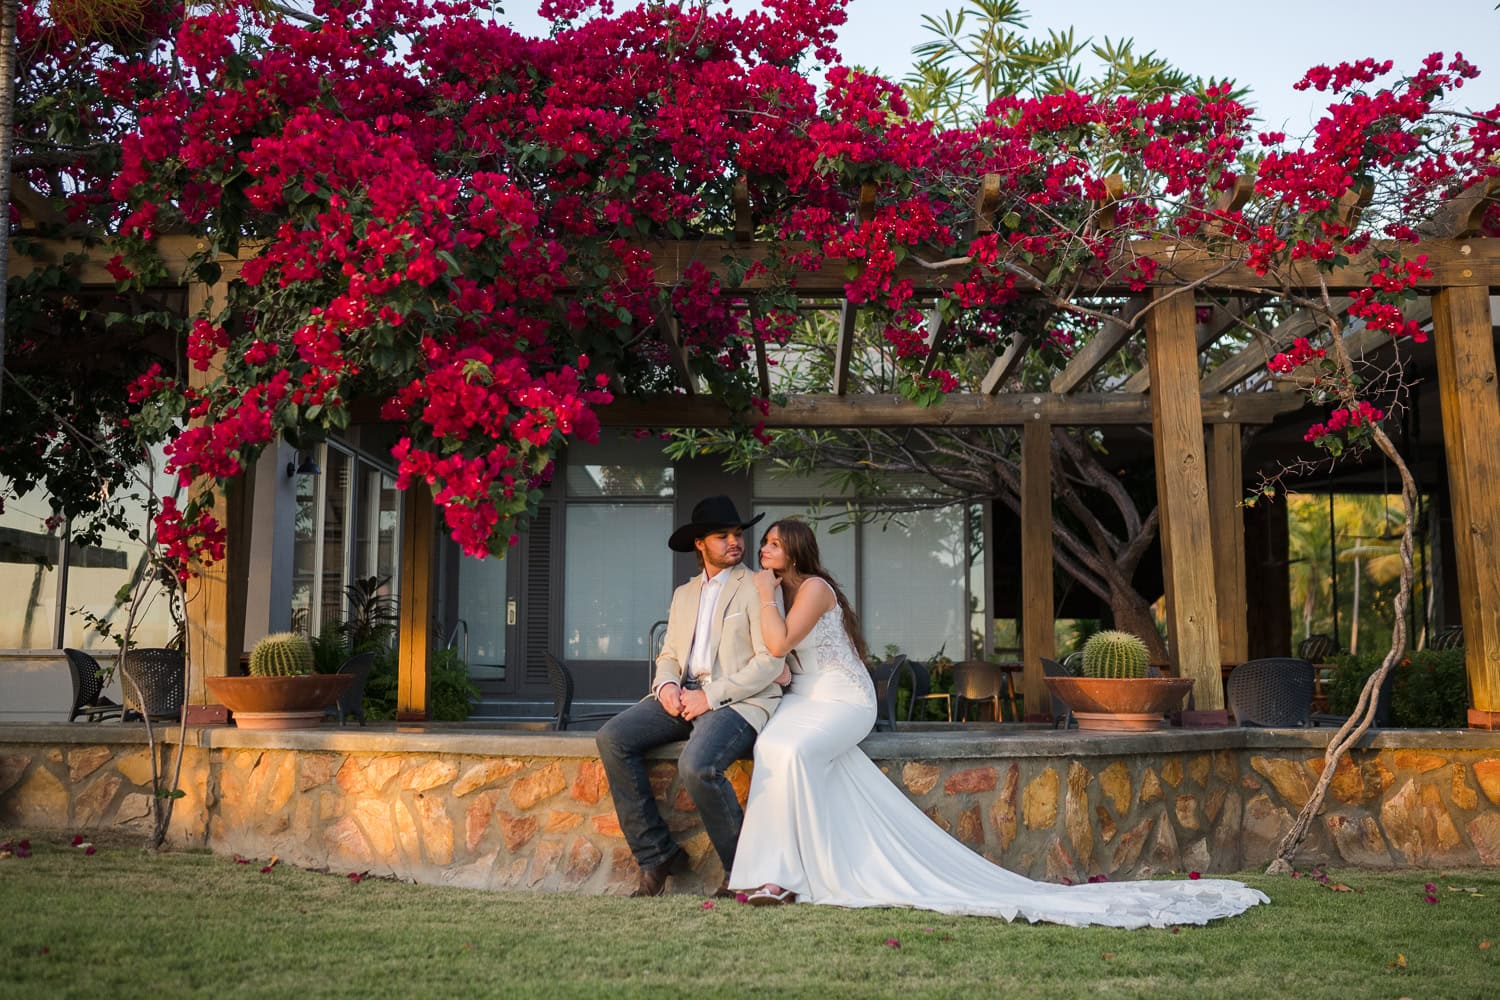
{"points": [[1196, 423]]}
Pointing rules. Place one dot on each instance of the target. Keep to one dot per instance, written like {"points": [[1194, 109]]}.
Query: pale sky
{"points": [[1267, 45]]}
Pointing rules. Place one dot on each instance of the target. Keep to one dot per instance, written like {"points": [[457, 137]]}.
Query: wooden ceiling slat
{"points": [[1260, 350], [1103, 345], [1006, 364]]}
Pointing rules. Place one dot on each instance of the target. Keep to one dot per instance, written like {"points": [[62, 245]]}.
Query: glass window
{"points": [[914, 586], [482, 614], [621, 468], [836, 548], [29, 555], [99, 577], [618, 578]]}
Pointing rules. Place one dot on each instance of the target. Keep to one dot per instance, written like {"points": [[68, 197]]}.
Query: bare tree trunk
{"points": [[1363, 716], [1354, 614], [1132, 614]]}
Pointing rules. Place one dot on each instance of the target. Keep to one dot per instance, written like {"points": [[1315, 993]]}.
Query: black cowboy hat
{"points": [[709, 515]]}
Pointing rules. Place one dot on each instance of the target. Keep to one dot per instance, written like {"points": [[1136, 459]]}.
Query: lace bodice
{"points": [[828, 666]]}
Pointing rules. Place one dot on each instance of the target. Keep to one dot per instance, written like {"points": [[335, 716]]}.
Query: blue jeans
{"points": [[714, 741]]}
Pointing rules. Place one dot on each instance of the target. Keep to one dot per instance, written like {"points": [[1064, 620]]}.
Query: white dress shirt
{"points": [[700, 658]]}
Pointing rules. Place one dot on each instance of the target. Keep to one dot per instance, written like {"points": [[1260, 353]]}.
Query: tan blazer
{"points": [[744, 672]]}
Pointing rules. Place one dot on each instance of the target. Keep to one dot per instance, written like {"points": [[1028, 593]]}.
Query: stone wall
{"points": [[533, 811]]}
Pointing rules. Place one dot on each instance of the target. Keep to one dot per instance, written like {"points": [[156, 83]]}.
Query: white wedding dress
{"points": [[824, 822]]}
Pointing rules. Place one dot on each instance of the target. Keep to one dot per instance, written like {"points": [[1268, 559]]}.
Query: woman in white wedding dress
{"points": [[824, 825]]}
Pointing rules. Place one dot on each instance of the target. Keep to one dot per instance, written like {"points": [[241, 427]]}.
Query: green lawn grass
{"points": [[127, 923]]}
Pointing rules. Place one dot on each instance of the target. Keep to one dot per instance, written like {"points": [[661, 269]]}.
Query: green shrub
{"points": [[450, 692], [1430, 691]]}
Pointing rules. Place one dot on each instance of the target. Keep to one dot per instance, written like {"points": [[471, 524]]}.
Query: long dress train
{"points": [[824, 822]]}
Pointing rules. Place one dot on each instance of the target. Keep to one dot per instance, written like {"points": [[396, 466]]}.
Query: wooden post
{"points": [[1182, 493], [1227, 528], [1471, 437], [415, 644], [214, 601], [1037, 639]]}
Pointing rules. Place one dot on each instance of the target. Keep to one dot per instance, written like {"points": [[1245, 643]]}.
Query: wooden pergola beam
{"points": [[1222, 318], [1453, 262], [964, 410], [1182, 495], [1103, 345], [1464, 344]]}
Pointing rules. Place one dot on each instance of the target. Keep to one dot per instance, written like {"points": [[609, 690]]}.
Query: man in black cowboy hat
{"points": [[715, 687]]}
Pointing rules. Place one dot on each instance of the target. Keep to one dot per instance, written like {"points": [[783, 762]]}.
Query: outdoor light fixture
{"points": [[303, 467]]}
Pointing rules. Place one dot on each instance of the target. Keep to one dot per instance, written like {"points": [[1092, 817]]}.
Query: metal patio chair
{"points": [[979, 681], [1062, 715], [887, 677], [1382, 708], [561, 679], [1451, 637]]}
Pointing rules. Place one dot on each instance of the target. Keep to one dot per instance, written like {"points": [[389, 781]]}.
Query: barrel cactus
{"points": [[1114, 654], [281, 654]]}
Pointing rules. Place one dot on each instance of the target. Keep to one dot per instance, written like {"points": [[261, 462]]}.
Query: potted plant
{"points": [[1114, 693], [282, 692]]}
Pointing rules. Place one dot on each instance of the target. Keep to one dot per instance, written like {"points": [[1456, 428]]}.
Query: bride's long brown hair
{"points": [[801, 548]]}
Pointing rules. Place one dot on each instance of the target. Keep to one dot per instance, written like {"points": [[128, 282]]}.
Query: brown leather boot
{"points": [[654, 880]]}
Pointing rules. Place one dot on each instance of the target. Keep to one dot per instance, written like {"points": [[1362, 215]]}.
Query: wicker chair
{"points": [[1276, 692], [152, 681], [88, 689], [561, 679]]}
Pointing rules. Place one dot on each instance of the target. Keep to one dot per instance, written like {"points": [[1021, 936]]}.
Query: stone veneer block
{"points": [[1114, 782], [1415, 760], [1150, 786], [91, 808], [1464, 795], [485, 773], [85, 761], [1107, 828], [591, 784], [12, 767], [1039, 806], [38, 800], [516, 831], [583, 860], [437, 830], [135, 767], [316, 769], [433, 774], [1358, 840], [375, 820], [559, 821], [920, 778], [1484, 834], [1003, 812], [1060, 867], [1077, 819], [1288, 777], [1171, 770], [738, 776], [527, 790], [1487, 773], [1197, 769], [971, 780], [477, 817], [971, 827], [1185, 807], [1264, 826]]}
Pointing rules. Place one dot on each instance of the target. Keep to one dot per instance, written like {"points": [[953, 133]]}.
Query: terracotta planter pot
{"points": [[1129, 704], [279, 702]]}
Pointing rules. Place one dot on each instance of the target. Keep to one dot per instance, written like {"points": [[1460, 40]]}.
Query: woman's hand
{"points": [[766, 583], [785, 677]]}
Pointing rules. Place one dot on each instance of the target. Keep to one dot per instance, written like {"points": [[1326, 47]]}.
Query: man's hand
{"points": [[670, 696], [694, 704]]}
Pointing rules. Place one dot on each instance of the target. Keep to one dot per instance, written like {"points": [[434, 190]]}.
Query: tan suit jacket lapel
{"points": [[732, 583]]}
